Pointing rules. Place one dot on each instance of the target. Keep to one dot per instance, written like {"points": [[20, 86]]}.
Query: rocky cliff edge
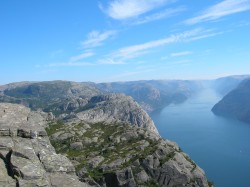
{"points": [[27, 158]]}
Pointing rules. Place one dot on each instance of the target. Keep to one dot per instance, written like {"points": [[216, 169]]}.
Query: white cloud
{"points": [[181, 37], [124, 9], [69, 64], [182, 53], [110, 61], [224, 8], [160, 15], [81, 56], [74, 61], [96, 38], [130, 52]]}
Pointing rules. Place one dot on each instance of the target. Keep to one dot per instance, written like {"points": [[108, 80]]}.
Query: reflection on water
{"points": [[219, 145]]}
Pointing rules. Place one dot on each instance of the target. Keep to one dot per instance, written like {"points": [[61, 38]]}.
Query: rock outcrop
{"points": [[27, 158], [236, 104], [116, 108], [119, 155]]}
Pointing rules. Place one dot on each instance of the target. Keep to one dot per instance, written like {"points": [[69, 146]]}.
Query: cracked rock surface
{"points": [[27, 158], [117, 155]]}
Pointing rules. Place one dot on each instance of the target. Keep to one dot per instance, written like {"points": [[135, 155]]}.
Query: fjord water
{"points": [[219, 145]]}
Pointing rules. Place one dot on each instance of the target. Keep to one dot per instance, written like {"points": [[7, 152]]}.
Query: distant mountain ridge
{"points": [[224, 85], [236, 103], [50, 96], [154, 94], [65, 96]]}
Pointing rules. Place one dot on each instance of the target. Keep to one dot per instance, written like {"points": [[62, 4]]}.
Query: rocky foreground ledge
{"points": [[101, 154], [27, 158]]}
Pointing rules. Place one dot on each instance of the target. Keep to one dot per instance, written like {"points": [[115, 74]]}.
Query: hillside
{"points": [[116, 155], [224, 85], [65, 96], [154, 94], [111, 142], [52, 96], [236, 104]]}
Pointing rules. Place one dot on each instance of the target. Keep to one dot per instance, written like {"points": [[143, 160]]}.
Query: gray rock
{"points": [[94, 162], [117, 108], [128, 136], [114, 164], [65, 136], [27, 159], [95, 139], [64, 180], [5, 179], [56, 162], [76, 145], [125, 177], [142, 177], [6, 143]]}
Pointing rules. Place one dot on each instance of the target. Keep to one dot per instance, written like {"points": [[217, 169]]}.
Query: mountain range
{"points": [[65, 96]]}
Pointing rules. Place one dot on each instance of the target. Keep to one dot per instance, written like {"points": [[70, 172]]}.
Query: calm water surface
{"points": [[218, 145]]}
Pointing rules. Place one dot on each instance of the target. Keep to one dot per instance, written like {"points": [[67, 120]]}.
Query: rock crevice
{"points": [[27, 158]]}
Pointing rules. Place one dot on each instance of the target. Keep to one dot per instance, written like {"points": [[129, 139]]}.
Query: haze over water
{"points": [[218, 145]]}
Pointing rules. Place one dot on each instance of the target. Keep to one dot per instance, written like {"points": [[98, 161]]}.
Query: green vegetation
{"points": [[192, 162], [167, 157], [51, 96], [114, 142], [95, 173], [107, 146], [54, 127], [152, 183]]}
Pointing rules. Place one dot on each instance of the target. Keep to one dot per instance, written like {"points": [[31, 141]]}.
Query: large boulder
{"points": [[26, 156]]}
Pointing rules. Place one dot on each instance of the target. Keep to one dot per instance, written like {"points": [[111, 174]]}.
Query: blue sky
{"points": [[123, 40]]}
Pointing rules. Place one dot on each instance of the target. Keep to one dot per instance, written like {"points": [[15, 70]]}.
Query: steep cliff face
{"points": [[116, 108], [236, 104], [26, 156]]}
